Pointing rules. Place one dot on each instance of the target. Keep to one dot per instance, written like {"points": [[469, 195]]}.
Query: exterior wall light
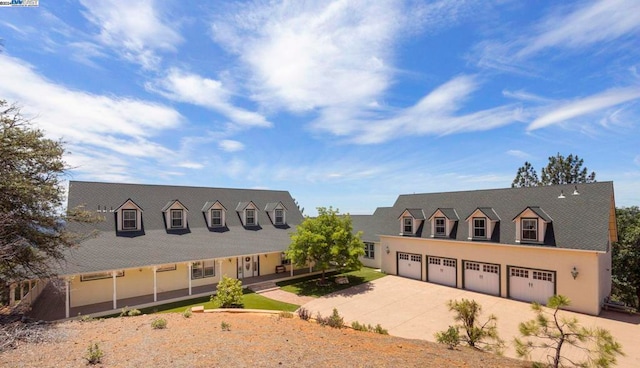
{"points": [[387, 249], [574, 272]]}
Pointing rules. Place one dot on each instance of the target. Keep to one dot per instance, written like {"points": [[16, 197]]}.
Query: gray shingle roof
{"points": [[416, 213], [156, 246], [488, 212], [579, 221], [272, 206], [449, 213], [170, 203], [538, 211]]}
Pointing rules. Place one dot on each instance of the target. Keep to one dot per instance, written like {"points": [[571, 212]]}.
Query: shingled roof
{"points": [[579, 221], [108, 252]]}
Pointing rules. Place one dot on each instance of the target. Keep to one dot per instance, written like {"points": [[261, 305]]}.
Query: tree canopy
{"points": [[559, 170], [32, 224], [326, 240], [626, 256]]}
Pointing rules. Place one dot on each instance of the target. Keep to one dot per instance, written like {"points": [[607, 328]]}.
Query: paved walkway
{"points": [[287, 297], [417, 310]]}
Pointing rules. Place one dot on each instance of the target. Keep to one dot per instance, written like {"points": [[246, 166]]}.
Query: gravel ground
{"points": [[255, 340]]}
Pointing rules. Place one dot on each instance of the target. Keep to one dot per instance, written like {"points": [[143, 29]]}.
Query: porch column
{"points": [[12, 294], [291, 264], [67, 298], [219, 269], [115, 293], [155, 284], [310, 268], [190, 266]]}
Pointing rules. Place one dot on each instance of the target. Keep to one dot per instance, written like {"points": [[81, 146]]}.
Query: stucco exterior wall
{"points": [[377, 260], [584, 292], [268, 263]]}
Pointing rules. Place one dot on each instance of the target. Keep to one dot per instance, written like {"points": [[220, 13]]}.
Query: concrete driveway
{"points": [[417, 310]]}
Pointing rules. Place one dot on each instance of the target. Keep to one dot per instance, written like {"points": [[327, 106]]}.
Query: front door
{"points": [[247, 267]]}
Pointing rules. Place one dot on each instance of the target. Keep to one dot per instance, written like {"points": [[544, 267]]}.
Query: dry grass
{"points": [[253, 340]]}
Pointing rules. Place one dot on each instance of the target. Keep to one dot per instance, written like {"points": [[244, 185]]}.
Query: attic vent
{"points": [[561, 194], [575, 191]]}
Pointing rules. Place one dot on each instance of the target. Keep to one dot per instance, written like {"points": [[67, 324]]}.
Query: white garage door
{"points": [[482, 277], [441, 271], [410, 265], [531, 285]]}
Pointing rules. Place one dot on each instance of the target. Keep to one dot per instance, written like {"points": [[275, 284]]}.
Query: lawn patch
{"points": [[308, 286]]}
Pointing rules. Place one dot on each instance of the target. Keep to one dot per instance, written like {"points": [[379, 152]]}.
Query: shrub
{"points": [[335, 320], [450, 337], [322, 321], [304, 314], [126, 312], [94, 354], [379, 330], [86, 318], [229, 293], [483, 336], [358, 327], [187, 313], [225, 326], [285, 314], [159, 323]]}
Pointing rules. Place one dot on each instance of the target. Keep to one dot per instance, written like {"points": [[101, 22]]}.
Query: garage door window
{"points": [[490, 268], [518, 272], [403, 256], [544, 276], [415, 258], [435, 261], [448, 262], [472, 266]]}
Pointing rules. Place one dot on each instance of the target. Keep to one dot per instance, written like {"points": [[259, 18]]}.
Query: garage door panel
{"points": [[531, 285], [482, 277], [410, 265], [442, 271]]}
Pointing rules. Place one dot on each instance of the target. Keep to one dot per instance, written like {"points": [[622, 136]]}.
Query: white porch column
{"points": [[190, 266], [115, 293], [12, 294], [310, 268], [67, 298], [291, 264], [155, 284], [219, 269]]}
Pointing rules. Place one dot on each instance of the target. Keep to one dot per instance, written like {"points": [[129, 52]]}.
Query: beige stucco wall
{"points": [[585, 292]]}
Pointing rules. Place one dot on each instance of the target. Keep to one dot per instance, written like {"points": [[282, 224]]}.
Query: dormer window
{"points": [[251, 217], [215, 214], [529, 229], [176, 219], [175, 215], [443, 221], [479, 227], [483, 223], [128, 216], [129, 220], [279, 217], [440, 226], [531, 225], [407, 225], [277, 213]]}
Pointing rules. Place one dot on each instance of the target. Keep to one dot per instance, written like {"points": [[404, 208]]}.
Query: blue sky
{"points": [[343, 103]]}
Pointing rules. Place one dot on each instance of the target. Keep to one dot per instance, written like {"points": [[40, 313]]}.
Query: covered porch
{"points": [[51, 305]]}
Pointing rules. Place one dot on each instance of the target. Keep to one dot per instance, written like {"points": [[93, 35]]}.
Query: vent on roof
{"points": [[575, 191], [561, 194]]}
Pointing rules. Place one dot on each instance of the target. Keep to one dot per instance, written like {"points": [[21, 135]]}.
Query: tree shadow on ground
{"points": [[311, 285]]}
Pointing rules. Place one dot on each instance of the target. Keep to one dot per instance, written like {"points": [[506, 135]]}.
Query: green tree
{"points": [[626, 256], [33, 227], [229, 293], [554, 333], [526, 177], [559, 170], [483, 336], [328, 241]]}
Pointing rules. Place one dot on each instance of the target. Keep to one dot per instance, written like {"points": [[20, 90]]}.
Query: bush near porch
{"points": [[309, 286]]}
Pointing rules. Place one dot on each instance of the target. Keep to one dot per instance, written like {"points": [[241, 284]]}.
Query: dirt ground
{"points": [[252, 340]]}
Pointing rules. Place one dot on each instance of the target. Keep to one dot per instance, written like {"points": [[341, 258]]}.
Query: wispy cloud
{"points": [[137, 30], [112, 126], [187, 87], [231, 145], [569, 110], [518, 153]]}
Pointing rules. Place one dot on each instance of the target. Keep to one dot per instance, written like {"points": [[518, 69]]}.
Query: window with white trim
{"points": [[369, 250], [529, 229], [203, 269], [279, 216], [479, 227], [440, 227], [407, 227], [177, 220], [129, 219], [250, 217], [216, 218]]}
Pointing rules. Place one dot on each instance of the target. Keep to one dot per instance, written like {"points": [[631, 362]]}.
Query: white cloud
{"points": [[136, 29], [570, 110], [194, 89], [93, 124], [599, 21], [231, 146], [190, 165], [519, 154]]}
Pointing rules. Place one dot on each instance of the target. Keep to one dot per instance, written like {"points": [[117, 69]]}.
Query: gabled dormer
{"points": [[215, 214], [444, 223], [411, 221], [175, 215], [128, 217], [277, 213], [248, 212], [531, 225], [482, 223]]}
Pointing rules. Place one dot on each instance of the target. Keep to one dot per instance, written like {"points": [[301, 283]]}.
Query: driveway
{"points": [[417, 310]]}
